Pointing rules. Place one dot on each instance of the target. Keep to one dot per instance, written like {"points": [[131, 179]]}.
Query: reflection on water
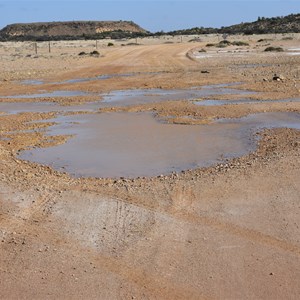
{"points": [[135, 144]]}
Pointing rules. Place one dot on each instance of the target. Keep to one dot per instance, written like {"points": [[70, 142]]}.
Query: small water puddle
{"points": [[79, 80], [214, 102], [136, 144], [44, 107], [32, 82], [47, 95], [141, 96], [249, 66]]}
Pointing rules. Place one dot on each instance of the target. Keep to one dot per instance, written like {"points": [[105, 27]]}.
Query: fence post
{"points": [[49, 45]]}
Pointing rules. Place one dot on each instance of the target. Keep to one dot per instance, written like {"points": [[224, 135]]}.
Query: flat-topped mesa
{"points": [[67, 30]]}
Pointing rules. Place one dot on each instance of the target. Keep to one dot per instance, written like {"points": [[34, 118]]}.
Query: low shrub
{"points": [[274, 49], [240, 43], [110, 44], [195, 40], [264, 40], [95, 52], [224, 42], [221, 45]]}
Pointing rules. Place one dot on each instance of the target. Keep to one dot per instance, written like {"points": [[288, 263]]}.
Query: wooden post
{"points": [[49, 46], [96, 44], [35, 48]]}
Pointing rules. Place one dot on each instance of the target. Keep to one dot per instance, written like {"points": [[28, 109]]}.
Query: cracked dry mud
{"points": [[230, 230]]}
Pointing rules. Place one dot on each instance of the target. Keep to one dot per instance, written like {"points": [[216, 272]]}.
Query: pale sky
{"points": [[152, 15]]}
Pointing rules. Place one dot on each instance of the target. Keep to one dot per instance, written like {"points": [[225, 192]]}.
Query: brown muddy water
{"points": [[137, 144]]}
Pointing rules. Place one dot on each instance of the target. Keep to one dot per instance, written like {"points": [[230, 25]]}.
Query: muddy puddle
{"points": [[44, 107], [136, 144], [214, 102], [117, 98], [249, 66], [78, 80], [45, 94], [141, 96], [32, 82]]}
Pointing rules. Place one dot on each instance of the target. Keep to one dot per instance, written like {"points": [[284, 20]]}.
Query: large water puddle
{"points": [[136, 144]]}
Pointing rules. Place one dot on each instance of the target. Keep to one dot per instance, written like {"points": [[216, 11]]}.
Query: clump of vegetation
{"points": [[221, 45], [202, 50], [133, 44], [110, 44], [225, 42], [274, 49], [287, 38], [95, 53], [264, 40], [239, 43], [195, 40]]}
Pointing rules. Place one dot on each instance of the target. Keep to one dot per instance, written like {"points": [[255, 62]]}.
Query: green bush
{"points": [[110, 44]]}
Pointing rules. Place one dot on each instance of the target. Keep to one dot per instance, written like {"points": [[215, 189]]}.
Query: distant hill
{"points": [[128, 29], [70, 30], [287, 24]]}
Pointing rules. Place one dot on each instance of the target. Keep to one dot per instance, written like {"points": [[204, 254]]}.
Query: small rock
{"points": [[278, 77]]}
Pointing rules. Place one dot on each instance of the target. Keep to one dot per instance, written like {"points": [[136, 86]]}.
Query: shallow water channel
{"points": [[137, 144]]}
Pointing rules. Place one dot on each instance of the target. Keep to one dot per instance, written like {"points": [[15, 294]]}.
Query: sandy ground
{"points": [[230, 231]]}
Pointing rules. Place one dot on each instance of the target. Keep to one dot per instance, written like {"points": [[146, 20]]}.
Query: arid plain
{"points": [[228, 229]]}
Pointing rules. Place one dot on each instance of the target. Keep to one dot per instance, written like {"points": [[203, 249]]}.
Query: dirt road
{"points": [[226, 231]]}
